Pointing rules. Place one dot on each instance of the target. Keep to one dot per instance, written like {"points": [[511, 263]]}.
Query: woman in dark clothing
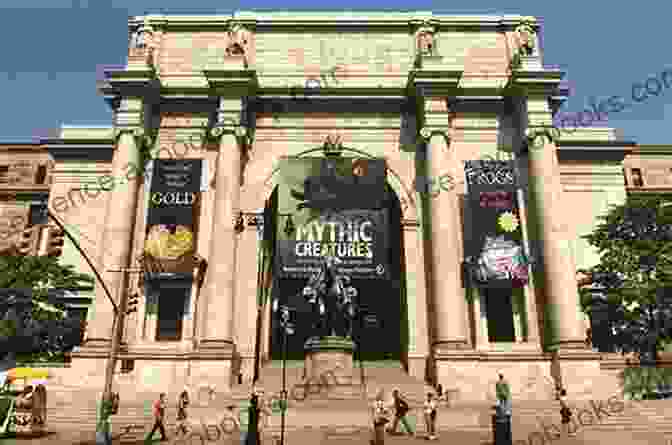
{"points": [[253, 437], [182, 403], [565, 412]]}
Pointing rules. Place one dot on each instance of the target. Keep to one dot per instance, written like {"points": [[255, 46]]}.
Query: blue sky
{"points": [[52, 51]]}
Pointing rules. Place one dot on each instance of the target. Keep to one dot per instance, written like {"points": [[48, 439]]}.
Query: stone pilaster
{"points": [[555, 274], [219, 288], [448, 296], [418, 350], [121, 208]]}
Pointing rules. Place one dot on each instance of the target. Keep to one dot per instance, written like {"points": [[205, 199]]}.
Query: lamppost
{"points": [[287, 329]]}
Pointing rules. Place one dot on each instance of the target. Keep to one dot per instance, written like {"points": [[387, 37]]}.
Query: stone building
{"points": [[425, 93]]}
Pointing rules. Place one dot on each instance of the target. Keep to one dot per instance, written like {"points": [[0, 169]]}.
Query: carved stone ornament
{"points": [[538, 137], [525, 35], [426, 43], [332, 145], [142, 37], [238, 40]]}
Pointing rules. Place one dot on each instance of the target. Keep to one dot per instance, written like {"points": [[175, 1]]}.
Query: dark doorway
{"points": [[172, 302], [499, 310], [381, 331]]}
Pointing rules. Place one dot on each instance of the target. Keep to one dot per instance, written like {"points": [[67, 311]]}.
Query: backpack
{"points": [[402, 406]]}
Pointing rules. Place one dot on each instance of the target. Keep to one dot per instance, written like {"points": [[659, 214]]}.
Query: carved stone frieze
{"points": [[425, 40], [525, 38], [239, 38]]}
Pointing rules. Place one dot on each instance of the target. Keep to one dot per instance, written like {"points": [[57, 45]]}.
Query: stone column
{"points": [[555, 274], [448, 296], [416, 296], [121, 207], [529, 290], [219, 287]]}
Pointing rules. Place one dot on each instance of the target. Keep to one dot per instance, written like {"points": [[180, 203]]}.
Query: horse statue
{"points": [[330, 294]]}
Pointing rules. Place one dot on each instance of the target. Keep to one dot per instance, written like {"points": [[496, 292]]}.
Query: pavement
{"points": [[319, 436]]}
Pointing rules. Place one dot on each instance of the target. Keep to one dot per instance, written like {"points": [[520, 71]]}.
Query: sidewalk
{"points": [[313, 437]]}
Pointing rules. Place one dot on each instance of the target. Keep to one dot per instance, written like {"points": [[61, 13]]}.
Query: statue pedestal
{"points": [[329, 354]]}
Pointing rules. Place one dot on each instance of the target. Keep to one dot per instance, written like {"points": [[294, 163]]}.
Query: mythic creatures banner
{"points": [[333, 207], [493, 236]]}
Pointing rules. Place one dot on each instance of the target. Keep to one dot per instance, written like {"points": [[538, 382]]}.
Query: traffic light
{"points": [[132, 305], [29, 241], [55, 241]]}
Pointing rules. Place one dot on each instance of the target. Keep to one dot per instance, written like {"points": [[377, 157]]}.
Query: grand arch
{"points": [[414, 313]]}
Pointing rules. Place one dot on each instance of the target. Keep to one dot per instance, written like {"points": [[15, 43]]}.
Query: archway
{"points": [[382, 328]]}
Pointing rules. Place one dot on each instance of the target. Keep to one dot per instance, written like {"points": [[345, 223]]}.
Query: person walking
{"points": [[565, 412], [401, 408], [503, 412], [104, 429], [159, 411], [439, 391], [379, 415], [182, 404], [253, 437], [430, 416], [181, 426]]}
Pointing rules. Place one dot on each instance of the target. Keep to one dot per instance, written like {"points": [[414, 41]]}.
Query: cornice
{"points": [[124, 82], [544, 82], [364, 19], [646, 150], [239, 82]]}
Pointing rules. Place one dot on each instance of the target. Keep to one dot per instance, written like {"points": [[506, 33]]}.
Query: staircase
{"points": [[340, 414], [385, 375]]}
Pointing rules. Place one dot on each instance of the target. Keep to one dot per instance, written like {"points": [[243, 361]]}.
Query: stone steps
{"points": [[391, 375]]}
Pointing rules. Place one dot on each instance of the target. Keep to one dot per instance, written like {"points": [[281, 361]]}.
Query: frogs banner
{"points": [[332, 207], [493, 237]]}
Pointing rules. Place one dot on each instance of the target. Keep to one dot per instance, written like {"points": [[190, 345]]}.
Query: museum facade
{"points": [[191, 200]]}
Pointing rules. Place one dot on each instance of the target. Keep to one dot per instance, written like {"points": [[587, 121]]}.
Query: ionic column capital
{"points": [[427, 133], [537, 137], [142, 138], [240, 132]]}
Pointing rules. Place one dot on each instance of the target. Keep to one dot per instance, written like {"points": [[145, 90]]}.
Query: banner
{"points": [[357, 237], [493, 238], [173, 204], [332, 207]]}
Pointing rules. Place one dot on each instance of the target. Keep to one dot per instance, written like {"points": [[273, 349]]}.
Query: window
{"points": [[127, 366], [172, 304], [499, 311], [637, 180], [4, 174], [41, 175]]}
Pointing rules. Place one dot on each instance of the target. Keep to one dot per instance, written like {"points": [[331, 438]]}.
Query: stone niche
{"points": [[24, 173], [13, 220]]}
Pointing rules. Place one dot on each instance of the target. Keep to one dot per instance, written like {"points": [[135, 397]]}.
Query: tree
{"points": [[34, 326], [634, 276]]}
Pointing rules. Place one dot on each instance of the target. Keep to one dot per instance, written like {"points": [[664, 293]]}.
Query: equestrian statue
{"points": [[332, 299]]}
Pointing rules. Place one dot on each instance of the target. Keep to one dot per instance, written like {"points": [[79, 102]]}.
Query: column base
{"points": [[418, 366], [451, 345], [216, 349], [95, 348]]}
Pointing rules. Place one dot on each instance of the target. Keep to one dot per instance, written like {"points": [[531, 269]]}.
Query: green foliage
{"points": [[638, 382], [38, 336], [40, 274], [628, 235]]}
